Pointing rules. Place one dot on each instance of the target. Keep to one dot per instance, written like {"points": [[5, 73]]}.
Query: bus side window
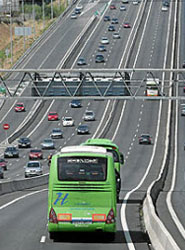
{"points": [[121, 158]]}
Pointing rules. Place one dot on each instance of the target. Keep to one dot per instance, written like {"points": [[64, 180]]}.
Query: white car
{"points": [[104, 40], [89, 115], [67, 121], [135, 2], [164, 8]]}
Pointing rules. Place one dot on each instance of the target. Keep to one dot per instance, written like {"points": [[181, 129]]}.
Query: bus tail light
{"points": [[98, 217], [53, 216], [64, 217], [110, 217]]}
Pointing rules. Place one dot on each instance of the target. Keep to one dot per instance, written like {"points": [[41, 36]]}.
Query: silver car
{"points": [[33, 168], [48, 144], [89, 115], [56, 133]]}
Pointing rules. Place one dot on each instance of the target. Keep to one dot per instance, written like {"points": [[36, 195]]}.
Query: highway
{"points": [[147, 44]]}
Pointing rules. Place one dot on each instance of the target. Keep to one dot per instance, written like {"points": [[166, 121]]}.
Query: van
{"points": [[82, 191]]}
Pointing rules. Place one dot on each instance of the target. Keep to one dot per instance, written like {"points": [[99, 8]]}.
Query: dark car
{"points": [[99, 59], [145, 139], [11, 152], [114, 21], [112, 6], [183, 111], [3, 164], [111, 28], [81, 61], [35, 154], [106, 18], [75, 104], [77, 11], [183, 65], [166, 3], [83, 129], [102, 48], [1, 173], [24, 142]]}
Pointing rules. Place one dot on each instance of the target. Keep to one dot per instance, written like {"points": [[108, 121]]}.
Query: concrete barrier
{"points": [[18, 185]]}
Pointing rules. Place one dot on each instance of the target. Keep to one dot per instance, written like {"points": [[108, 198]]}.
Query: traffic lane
{"points": [[91, 49], [14, 119], [23, 222]]}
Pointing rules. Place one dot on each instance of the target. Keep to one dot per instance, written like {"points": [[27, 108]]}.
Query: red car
{"points": [[126, 25], [52, 116], [112, 7], [35, 154], [19, 107], [3, 164]]}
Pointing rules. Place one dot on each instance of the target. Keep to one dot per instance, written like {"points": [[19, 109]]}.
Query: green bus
{"points": [[82, 191], [117, 155]]}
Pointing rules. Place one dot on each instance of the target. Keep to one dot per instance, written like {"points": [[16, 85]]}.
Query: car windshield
{"points": [[11, 149], [57, 130], [19, 105], [33, 165], [52, 113], [24, 139], [145, 136], [35, 151], [48, 141], [68, 119], [89, 113], [82, 168], [83, 127], [2, 160]]}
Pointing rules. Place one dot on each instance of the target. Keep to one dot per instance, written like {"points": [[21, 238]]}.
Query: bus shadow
{"points": [[89, 237]]}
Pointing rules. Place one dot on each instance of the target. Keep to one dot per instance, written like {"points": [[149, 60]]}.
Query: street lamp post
{"points": [[43, 13], [33, 16], [11, 31]]}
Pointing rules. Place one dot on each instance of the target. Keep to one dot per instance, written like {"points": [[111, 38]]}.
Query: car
{"points": [[126, 25], [164, 8], [106, 18], [77, 11], [83, 129], [112, 7], [145, 139], [99, 58], [1, 173], [183, 65], [122, 8], [124, 1], [183, 111], [111, 28], [48, 144], [166, 3], [35, 154], [33, 168], [81, 61], [102, 48], [19, 107], [68, 121], [89, 115], [104, 40], [24, 142], [135, 2], [56, 133], [11, 152], [114, 21], [53, 116], [74, 16], [3, 164], [76, 104], [79, 7], [116, 35]]}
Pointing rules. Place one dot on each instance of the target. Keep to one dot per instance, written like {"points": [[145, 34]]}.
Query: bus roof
{"points": [[152, 81], [101, 142], [84, 149]]}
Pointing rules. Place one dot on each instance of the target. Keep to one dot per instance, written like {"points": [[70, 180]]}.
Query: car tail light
{"points": [[110, 217], [53, 216]]}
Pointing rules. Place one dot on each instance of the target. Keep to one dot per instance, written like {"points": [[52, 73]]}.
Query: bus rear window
{"points": [[80, 168]]}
